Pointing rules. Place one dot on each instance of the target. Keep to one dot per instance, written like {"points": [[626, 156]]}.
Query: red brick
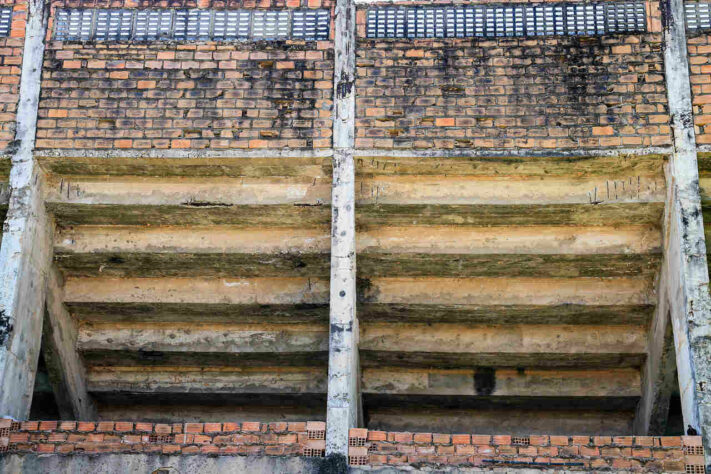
{"points": [[461, 439], [86, 426], [193, 427], [251, 426], [422, 437], [162, 428]]}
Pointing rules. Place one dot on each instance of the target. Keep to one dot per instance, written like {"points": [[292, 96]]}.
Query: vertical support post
{"points": [[687, 280], [343, 377], [26, 241]]}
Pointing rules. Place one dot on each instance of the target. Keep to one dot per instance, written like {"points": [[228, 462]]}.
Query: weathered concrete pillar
{"points": [[687, 279], [26, 241], [343, 377]]}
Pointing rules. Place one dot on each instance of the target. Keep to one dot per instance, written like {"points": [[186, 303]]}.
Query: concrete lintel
{"points": [[26, 244], [685, 249], [66, 370]]}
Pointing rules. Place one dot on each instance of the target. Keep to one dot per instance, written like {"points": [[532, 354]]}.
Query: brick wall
{"points": [[10, 66], [583, 453], [231, 95], [377, 448], [700, 68], [549, 92], [70, 437]]}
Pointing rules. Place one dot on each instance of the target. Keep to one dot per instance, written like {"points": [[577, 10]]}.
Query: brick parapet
{"points": [[583, 453], [525, 93], [245, 438], [204, 95]]}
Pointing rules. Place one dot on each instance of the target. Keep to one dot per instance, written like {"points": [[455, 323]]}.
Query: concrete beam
{"points": [[519, 340], [26, 242], [248, 291], [685, 249], [503, 382], [507, 190], [215, 191], [284, 380], [624, 238], [508, 291], [66, 370], [534, 240], [203, 338], [343, 404]]}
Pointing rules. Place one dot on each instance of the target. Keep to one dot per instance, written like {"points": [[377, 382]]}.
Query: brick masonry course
{"points": [[575, 453], [530, 93], [194, 95], [245, 438]]}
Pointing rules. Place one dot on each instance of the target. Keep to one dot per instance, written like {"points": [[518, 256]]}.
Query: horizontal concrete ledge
{"points": [[503, 314], [186, 153], [199, 312], [203, 380], [250, 291], [508, 341], [538, 240], [227, 239], [487, 291], [166, 167], [124, 264], [609, 167], [201, 338], [192, 214], [374, 359], [503, 382], [187, 357], [513, 152]]}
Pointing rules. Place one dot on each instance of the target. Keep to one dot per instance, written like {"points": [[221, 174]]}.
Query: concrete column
{"points": [[26, 241], [687, 279], [343, 377]]}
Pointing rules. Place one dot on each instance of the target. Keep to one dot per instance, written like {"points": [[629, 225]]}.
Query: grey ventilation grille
{"points": [[514, 20], [187, 25], [698, 15], [5, 22]]}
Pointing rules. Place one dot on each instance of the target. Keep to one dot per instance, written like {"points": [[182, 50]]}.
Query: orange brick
{"points": [[193, 427], [180, 143], [146, 84], [71, 64], [444, 122]]}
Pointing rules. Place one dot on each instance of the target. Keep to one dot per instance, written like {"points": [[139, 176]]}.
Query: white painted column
{"points": [[26, 241], [343, 374], [687, 279]]}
